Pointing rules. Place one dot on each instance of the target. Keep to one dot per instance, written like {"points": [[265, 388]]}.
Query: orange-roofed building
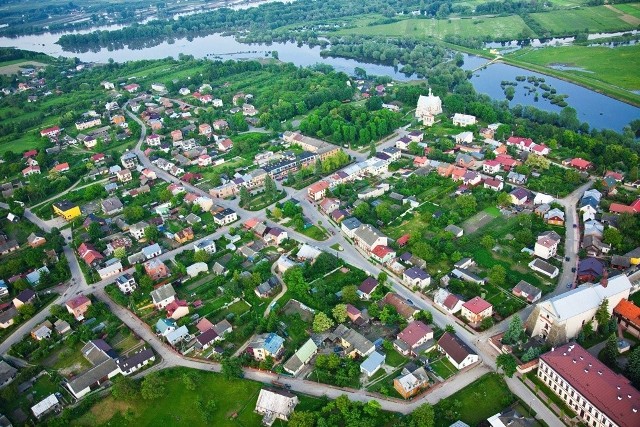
{"points": [[628, 316], [318, 190]]}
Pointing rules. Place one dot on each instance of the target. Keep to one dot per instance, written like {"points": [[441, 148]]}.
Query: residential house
{"points": [[183, 236], [152, 251], [301, 357], [112, 206], [590, 270], [275, 404], [25, 297], [409, 383], [372, 364], [383, 254], [406, 310], [78, 306], [353, 343], [66, 209], [124, 175], [367, 237], [206, 339], [156, 269], [527, 291], [42, 331], [276, 236], [554, 216], [45, 406], [476, 310], [580, 164], [416, 277], [34, 240], [328, 205], [628, 316], [111, 268], [163, 296], [349, 226], [457, 351], [7, 374], [519, 196], [448, 301], [547, 244], [516, 178], [165, 326], [562, 317], [177, 309], [464, 138], [455, 230], [491, 167], [411, 338], [133, 363], [493, 184], [207, 245], [197, 268], [366, 288], [126, 283], [227, 216], [544, 267], [177, 336], [225, 144], [61, 167], [599, 396], [463, 120], [266, 289], [266, 345], [137, 230]]}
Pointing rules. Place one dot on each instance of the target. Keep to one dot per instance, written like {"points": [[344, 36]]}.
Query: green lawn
{"points": [[632, 9], [617, 66], [481, 399], [394, 358], [596, 19], [443, 368], [176, 407], [497, 28]]}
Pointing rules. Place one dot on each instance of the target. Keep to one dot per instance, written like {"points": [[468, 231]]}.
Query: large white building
{"points": [[274, 404], [428, 106], [599, 396], [561, 318]]}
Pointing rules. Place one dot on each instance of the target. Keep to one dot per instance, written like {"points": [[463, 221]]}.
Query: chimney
{"points": [[605, 279]]}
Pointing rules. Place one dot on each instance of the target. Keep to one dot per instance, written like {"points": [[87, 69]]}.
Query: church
{"points": [[428, 107]]}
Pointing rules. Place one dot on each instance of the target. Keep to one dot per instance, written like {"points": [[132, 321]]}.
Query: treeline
{"points": [[263, 18], [346, 123]]}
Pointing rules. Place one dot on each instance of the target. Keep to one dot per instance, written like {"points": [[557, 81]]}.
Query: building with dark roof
{"points": [[458, 352], [599, 396], [136, 361]]}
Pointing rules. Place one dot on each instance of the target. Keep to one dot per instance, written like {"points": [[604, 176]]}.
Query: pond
{"points": [[598, 110]]}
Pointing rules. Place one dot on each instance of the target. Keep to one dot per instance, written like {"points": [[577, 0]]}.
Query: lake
{"points": [[598, 110]]}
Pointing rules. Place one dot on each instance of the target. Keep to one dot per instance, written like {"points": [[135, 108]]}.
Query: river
{"points": [[600, 111]]}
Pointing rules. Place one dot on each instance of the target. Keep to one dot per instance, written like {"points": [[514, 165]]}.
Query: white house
{"points": [[163, 296], [275, 404], [126, 283], [547, 245], [456, 351], [199, 267], [415, 276], [463, 120]]}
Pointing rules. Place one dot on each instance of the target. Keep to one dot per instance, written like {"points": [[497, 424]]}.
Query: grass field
{"points": [[497, 28], [632, 9], [176, 406], [443, 368], [616, 66], [481, 399], [596, 19]]}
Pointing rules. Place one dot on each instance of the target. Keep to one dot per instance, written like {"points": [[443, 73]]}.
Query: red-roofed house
{"points": [[476, 310], [318, 190], [493, 184], [97, 158], [329, 205], [89, 254], [78, 306], [50, 132], [30, 153], [620, 208], [382, 253], [414, 335], [506, 161], [177, 309], [599, 396], [225, 145], [133, 87], [615, 175], [31, 170], [204, 325], [353, 313], [61, 167], [636, 205], [580, 164], [628, 315], [491, 166], [419, 162], [403, 240]]}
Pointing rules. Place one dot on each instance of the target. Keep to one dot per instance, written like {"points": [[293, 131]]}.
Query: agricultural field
{"points": [[495, 28], [599, 19], [614, 66]]}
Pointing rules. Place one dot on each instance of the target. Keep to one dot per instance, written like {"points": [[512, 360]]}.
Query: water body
{"points": [[598, 110]]}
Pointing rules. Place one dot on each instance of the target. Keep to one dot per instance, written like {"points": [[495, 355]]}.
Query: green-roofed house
{"points": [[304, 354]]}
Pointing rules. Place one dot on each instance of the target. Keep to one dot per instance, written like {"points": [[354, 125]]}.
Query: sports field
{"points": [[494, 28], [616, 66]]}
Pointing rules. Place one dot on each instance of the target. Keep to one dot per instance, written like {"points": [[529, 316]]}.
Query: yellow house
{"points": [[66, 210]]}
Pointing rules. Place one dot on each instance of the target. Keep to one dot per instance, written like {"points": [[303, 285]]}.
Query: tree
{"points": [[270, 188], [321, 322], [95, 232], [151, 233], [120, 253], [232, 368], [382, 278], [339, 313], [515, 331], [503, 199], [497, 275], [133, 214], [632, 370], [467, 204], [27, 310], [294, 279], [244, 195], [422, 416], [610, 352], [613, 237], [350, 294], [207, 409], [372, 149], [488, 242], [530, 354], [486, 323], [302, 419], [124, 388], [602, 314], [277, 213], [507, 363], [450, 329], [152, 386], [317, 168]]}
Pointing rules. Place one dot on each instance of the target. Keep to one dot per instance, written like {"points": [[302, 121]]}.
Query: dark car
{"points": [[569, 285], [573, 270], [575, 225], [567, 258]]}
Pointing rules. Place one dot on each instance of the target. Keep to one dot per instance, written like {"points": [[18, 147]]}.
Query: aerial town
{"points": [[163, 247]]}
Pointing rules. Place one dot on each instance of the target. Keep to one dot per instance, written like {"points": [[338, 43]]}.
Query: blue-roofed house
{"points": [[372, 363], [266, 345], [34, 277], [174, 337], [165, 326]]}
